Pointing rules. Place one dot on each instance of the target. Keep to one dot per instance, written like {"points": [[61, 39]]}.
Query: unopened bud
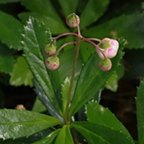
{"points": [[109, 48], [105, 64], [73, 20], [52, 63], [50, 49]]}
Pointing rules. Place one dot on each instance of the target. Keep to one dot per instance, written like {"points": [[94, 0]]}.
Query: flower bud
{"points": [[73, 20], [109, 48], [50, 49], [52, 63], [105, 64]]}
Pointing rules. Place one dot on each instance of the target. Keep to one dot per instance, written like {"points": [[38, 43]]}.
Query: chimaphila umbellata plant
{"points": [[106, 49], [64, 95]]}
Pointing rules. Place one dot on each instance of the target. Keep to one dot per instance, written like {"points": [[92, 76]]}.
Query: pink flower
{"points": [[50, 49], [73, 20], [52, 63], [109, 47], [105, 64]]}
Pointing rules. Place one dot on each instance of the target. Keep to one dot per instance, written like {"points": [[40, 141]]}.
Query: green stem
{"points": [[76, 53]]}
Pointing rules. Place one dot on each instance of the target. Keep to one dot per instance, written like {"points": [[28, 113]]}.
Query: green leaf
{"points": [[129, 27], [140, 112], [21, 74], [90, 81], [65, 89], [112, 82], [93, 11], [49, 139], [86, 50], [54, 25], [64, 136], [103, 116], [8, 1], [44, 9], [35, 38], [21, 123], [69, 6], [6, 60], [38, 106], [10, 33], [101, 134]]}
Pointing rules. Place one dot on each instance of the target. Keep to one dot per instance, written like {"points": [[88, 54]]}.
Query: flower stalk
{"points": [[106, 49]]}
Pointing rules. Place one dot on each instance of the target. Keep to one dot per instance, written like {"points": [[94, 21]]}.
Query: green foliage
{"points": [[103, 116], [93, 11], [65, 90], [35, 38], [64, 136], [140, 112], [45, 12], [68, 6], [6, 60], [101, 134], [58, 95], [8, 1], [18, 123], [129, 27], [21, 73], [49, 139], [11, 30], [90, 75]]}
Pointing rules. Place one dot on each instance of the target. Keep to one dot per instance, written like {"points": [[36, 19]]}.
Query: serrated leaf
{"points": [[21, 123], [101, 134], [129, 27], [65, 90], [140, 112], [93, 10], [90, 81], [64, 136], [11, 29], [54, 25], [21, 74], [35, 38], [8, 1], [45, 8], [103, 116], [6, 60], [69, 6], [49, 139]]}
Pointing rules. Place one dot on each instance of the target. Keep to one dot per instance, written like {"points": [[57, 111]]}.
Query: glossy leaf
{"points": [[53, 24], [6, 60], [101, 134], [35, 38], [140, 112], [69, 6], [21, 74], [65, 89], [103, 116], [93, 10], [44, 8], [90, 81], [49, 139], [129, 27], [10, 33], [21, 123], [64, 136]]}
